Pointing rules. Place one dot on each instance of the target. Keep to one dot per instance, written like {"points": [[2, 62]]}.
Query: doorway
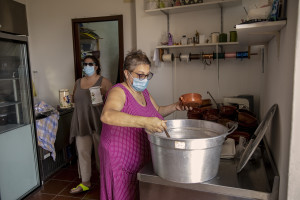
{"points": [[101, 37]]}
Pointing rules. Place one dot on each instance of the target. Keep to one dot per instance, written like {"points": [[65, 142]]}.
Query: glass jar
{"points": [[152, 4]]}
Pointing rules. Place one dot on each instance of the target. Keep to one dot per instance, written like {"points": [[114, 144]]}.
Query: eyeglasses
{"points": [[143, 76], [88, 64]]}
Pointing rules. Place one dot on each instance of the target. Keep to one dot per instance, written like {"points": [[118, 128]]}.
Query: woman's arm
{"points": [[105, 86], [112, 114], [167, 110]]}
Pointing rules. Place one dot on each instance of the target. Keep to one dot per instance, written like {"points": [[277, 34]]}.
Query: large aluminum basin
{"points": [[192, 154]]}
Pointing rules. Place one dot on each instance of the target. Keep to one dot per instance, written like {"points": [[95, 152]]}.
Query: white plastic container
{"points": [[201, 39], [96, 96], [215, 37], [184, 40]]}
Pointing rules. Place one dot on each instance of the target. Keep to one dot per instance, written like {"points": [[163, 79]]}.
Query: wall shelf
{"points": [[194, 7], [259, 33], [196, 45]]}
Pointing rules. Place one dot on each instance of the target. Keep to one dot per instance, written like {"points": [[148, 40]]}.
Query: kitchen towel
{"points": [[228, 149], [46, 128]]}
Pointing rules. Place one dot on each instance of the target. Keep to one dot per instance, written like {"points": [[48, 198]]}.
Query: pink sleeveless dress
{"points": [[123, 151]]}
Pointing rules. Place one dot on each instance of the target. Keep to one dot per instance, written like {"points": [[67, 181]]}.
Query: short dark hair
{"points": [[96, 61], [135, 58]]}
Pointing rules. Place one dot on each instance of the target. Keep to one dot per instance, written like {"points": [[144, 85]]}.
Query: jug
{"points": [[64, 98]]}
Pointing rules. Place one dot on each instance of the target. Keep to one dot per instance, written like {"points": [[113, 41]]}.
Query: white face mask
{"points": [[139, 85], [89, 70]]}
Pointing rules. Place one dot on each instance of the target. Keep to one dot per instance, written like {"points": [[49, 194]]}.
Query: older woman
{"points": [[128, 111]]}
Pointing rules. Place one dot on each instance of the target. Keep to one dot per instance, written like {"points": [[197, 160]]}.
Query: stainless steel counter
{"points": [[258, 180]]}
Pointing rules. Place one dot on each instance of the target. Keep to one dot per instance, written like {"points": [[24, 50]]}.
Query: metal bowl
{"points": [[192, 154]]}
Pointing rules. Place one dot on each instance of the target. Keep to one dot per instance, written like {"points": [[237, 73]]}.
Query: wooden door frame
{"points": [[76, 45]]}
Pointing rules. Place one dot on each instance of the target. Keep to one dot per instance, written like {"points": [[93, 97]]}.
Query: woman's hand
{"points": [[179, 106], [154, 124]]}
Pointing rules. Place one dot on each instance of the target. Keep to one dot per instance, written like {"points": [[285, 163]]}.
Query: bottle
{"points": [[197, 37], [161, 4], [170, 39], [177, 3]]}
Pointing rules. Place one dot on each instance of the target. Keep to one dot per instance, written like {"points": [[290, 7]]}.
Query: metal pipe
{"points": [[221, 19]]}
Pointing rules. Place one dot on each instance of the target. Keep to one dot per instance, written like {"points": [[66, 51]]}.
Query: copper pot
{"points": [[191, 100], [227, 110], [224, 121], [196, 113], [211, 112], [237, 134], [246, 119], [212, 118], [199, 110], [246, 111], [206, 102], [210, 115]]}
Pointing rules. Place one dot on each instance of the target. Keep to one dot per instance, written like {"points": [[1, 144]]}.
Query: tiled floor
{"points": [[58, 185]]}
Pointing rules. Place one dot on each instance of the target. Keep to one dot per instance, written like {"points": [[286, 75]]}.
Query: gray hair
{"points": [[135, 58]]}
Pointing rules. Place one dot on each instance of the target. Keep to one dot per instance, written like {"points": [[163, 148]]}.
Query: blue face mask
{"points": [[89, 70], [139, 85]]}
